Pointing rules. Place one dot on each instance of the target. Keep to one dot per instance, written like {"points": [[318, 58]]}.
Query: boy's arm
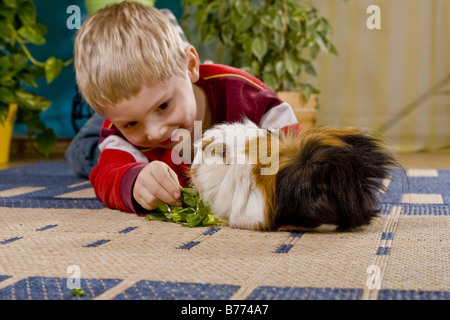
{"points": [[113, 179], [118, 167]]}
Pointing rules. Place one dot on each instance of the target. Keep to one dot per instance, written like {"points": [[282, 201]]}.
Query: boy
{"points": [[133, 68]]}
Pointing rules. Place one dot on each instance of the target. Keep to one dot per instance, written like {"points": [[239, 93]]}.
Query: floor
{"points": [[437, 160]]}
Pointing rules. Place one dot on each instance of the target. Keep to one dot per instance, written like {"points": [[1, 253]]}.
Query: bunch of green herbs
{"points": [[193, 213]]}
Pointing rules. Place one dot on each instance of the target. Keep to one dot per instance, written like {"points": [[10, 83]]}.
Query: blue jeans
{"points": [[83, 152]]}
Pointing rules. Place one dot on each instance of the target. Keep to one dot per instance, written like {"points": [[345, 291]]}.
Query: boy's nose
{"points": [[156, 132]]}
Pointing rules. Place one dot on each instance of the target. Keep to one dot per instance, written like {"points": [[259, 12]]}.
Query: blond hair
{"points": [[121, 48]]}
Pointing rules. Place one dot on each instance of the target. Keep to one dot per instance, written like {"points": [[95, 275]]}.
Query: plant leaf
{"points": [[32, 102], [27, 12], [7, 96], [46, 142], [10, 3], [4, 111], [31, 33], [259, 48], [193, 213], [53, 68]]}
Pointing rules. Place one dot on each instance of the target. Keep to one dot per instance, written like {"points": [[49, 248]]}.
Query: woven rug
{"points": [[55, 236]]}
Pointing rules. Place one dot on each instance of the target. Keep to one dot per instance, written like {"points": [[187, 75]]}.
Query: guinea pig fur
{"points": [[321, 179]]}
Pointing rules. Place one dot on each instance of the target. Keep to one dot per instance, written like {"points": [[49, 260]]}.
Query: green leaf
{"points": [[332, 49], [27, 78], [267, 21], [189, 196], [271, 80], [321, 41], [278, 22], [10, 3], [279, 68], [295, 23], [27, 12], [33, 122], [292, 67], [78, 292], [41, 28], [164, 208], [193, 213], [255, 66], [7, 96], [46, 142], [314, 51], [278, 40], [4, 111], [244, 24], [259, 48], [53, 68], [19, 61], [240, 7], [5, 32], [5, 66], [32, 102], [31, 33], [309, 68]]}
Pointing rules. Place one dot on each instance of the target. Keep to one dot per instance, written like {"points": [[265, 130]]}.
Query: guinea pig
{"points": [[322, 178]]}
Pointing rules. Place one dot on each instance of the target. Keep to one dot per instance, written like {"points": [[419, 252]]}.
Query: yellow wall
{"points": [[395, 80]]}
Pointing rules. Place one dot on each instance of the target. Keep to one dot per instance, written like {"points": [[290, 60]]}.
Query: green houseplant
{"points": [[19, 69], [275, 40]]}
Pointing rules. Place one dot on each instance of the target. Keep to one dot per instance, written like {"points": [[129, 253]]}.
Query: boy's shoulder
{"points": [[220, 71]]}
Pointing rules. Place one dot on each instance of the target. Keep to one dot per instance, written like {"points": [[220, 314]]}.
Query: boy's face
{"points": [[149, 118]]}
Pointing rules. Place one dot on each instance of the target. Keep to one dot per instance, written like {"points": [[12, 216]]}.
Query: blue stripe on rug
{"points": [[160, 290], [401, 184], [52, 288], [389, 294], [55, 179], [294, 293]]}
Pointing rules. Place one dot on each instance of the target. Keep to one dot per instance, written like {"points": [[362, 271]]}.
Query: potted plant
{"points": [[18, 72], [275, 40]]}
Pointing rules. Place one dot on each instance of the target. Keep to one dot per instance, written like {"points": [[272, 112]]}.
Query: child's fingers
{"points": [[168, 180], [174, 176], [148, 201], [151, 196], [166, 197], [155, 185]]}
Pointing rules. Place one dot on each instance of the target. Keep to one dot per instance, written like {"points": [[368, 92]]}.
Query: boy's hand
{"points": [[156, 185]]}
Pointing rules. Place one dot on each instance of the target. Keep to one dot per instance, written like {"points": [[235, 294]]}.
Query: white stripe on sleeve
{"points": [[118, 143], [278, 117]]}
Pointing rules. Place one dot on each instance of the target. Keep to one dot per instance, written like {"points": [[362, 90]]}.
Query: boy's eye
{"points": [[130, 124], [163, 106]]}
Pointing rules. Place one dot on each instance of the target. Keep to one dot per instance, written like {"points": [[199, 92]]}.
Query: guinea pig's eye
{"points": [[215, 150], [220, 153], [207, 143]]}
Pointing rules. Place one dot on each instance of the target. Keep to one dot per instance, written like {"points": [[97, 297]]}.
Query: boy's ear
{"points": [[193, 63]]}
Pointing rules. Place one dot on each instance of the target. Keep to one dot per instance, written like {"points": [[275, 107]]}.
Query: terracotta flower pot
{"points": [[6, 130]]}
